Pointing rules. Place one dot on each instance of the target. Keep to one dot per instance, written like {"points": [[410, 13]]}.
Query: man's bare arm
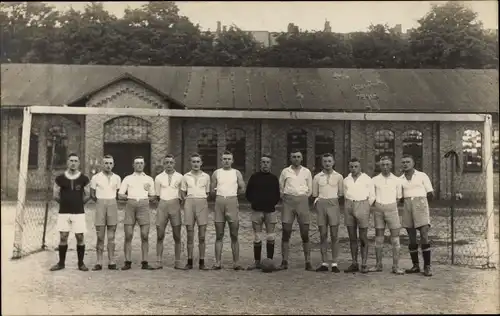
{"points": [[213, 182], [57, 193], [93, 195], [241, 182], [86, 194]]}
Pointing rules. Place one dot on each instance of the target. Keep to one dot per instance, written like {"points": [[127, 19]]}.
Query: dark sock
{"points": [[270, 249], [62, 254], [257, 250], [190, 262], [202, 262], [426, 254], [80, 251], [413, 253]]}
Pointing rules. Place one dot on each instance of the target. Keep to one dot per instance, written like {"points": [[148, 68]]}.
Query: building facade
{"points": [[243, 90]]}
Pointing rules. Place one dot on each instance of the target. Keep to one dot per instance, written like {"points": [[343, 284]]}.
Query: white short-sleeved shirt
{"points": [[359, 190], [167, 185], [418, 186], [105, 186], [137, 186], [328, 186], [196, 186], [387, 189], [297, 184]]}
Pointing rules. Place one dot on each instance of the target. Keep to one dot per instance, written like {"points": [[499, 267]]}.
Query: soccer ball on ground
{"points": [[267, 265]]}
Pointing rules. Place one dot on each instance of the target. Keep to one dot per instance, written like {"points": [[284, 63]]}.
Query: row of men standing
{"points": [[295, 187]]}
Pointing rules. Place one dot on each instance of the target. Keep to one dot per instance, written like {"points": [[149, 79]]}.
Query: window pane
{"points": [[297, 140], [57, 138], [33, 151], [236, 143], [472, 150], [323, 143], [413, 145], [127, 129], [207, 148], [384, 146]]}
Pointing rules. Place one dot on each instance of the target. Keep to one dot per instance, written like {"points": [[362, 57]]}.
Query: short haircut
{"points": [[326, 155], [385, 158], [169, 156], [139, 157], [408, 156], [195, 155], [108, 157], [295, 150], [227, 152], [266, 156], [354, 160], [73, 155]]}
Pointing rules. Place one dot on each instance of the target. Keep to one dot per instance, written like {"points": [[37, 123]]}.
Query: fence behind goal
{"points": [[461, 231]]}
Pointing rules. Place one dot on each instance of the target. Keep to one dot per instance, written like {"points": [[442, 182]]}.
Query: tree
{"points": [[24, 24], [380, 47], [450, 36], [234, 48]]}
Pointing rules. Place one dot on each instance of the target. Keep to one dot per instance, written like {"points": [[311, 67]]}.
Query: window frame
{"points": [[419, 161], [34, 143], [495, 147], [465, 167], [378, 155], [215, 135], [239, 160], [323, 132], [303, 134], [62, 142]]}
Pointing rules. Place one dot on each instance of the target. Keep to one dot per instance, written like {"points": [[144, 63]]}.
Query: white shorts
{"points": [[75, 223]]}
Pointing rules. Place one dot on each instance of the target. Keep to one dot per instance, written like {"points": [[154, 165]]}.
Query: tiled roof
{"points": [[389, 90]]}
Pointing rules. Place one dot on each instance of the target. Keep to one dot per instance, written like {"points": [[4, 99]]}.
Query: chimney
{"points": [[398, 29], [328, 28], [218, 27], [224, 29]]}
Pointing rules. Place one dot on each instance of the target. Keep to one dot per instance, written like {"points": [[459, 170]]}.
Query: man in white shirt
{"points": [[388, 191], [417, 188], [296, 188], [195, 187], [138, 189], [327, 189], [227, 183], [167, 188], [104, 187], [360, 195]]}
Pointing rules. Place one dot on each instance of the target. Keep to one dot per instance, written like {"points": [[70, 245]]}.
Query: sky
{"points": [[344, 17]]}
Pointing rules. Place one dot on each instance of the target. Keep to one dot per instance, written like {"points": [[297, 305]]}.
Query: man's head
{"points": [[296, 157], [139, 164], [385, 165], [407, 162], [355, 166], [196, 162], [265, 163], [328, 161], [73, 162], [108, 163], [169, 163], [227, 159]]}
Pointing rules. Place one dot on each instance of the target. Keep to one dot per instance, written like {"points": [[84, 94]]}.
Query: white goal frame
{"points": [[267, 115]]}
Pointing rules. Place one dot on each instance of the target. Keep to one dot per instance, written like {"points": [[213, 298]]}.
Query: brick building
{"points": [[243, 90]]}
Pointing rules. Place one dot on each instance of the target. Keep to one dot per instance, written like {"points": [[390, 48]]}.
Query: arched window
{"points": [[297, 140], [324, 143], [127, 129], [384, 146], [57, 144], [496, 163], [236, 143], [472, 151], [413, 145], [33, 152], [207, 148]]}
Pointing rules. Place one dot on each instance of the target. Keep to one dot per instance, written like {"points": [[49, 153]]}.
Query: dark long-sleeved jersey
{"points": [[263, 191]]}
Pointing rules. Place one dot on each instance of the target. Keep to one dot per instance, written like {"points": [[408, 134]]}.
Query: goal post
{"points": [[90, 121]]}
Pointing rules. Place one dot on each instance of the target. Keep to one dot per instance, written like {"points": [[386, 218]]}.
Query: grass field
{"points": [[29, 288]]}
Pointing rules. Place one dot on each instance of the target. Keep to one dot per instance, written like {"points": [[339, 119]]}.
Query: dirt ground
{"points": [[29, 288]]}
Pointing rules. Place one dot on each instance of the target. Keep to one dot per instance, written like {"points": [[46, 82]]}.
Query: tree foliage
{"points": [[448, 36]]}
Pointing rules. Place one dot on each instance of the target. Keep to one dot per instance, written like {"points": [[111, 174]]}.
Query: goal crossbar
{"points": [[270, 115]]}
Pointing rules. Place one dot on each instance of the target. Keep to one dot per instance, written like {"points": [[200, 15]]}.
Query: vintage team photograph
{"points": [[250, 158]]}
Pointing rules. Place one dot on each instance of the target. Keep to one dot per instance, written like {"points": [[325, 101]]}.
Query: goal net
{"points": [[458, 152]]}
